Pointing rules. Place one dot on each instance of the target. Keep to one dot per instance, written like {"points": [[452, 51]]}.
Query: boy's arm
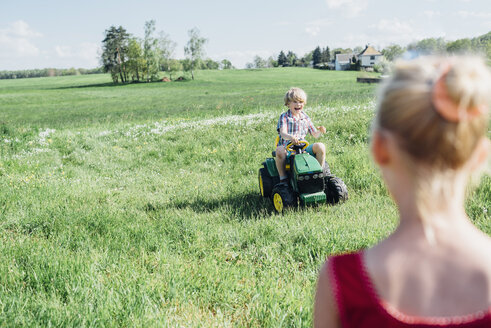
{"points": [[285, 136], [320, 130]]}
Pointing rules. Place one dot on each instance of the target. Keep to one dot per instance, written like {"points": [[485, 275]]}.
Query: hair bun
{"points": [[468, 83]]}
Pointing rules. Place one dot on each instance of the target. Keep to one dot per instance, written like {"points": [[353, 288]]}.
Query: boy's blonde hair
{"points": [[295, 94], [406, 109]]}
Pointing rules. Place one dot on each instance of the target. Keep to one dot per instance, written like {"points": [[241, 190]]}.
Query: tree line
{"points": [[128, 58], [131, 59], [321, 57], [46, 72]]}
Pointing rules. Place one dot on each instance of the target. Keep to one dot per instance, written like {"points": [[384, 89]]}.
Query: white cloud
{"points": [[472, 14], [16, 41], [63, 51], [313, 28], [392, 26], [432, 14], [351, 8], [85, 53], [22, 29]]}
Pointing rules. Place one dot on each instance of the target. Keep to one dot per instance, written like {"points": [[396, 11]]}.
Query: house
{"points": [[369, 57], [343, 61]]}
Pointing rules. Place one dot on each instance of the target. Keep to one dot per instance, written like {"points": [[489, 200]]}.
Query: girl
{"points": [[434, 270]]}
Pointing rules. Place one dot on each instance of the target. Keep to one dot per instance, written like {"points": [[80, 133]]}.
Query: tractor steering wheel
{"points": [[290, 146]]}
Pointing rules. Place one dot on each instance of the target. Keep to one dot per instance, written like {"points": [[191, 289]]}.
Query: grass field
{"points": [[138, 205]]}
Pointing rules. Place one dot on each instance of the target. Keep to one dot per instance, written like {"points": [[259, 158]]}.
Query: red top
{"points": [[360, 306]]}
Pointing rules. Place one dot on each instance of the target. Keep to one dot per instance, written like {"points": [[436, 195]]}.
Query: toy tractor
{"points": [[308, 182]]}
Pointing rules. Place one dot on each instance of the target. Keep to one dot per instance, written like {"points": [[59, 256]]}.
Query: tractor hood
{"points": [[305, 163]]}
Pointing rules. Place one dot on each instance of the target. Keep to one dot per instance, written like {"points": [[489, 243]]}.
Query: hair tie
{"points": [[447, 108]]}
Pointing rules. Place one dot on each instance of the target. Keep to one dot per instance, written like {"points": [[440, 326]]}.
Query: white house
{"points": [[369, 57]]}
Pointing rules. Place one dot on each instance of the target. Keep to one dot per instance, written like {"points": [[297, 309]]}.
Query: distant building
{"points": [[369, 57], [343, 61]]}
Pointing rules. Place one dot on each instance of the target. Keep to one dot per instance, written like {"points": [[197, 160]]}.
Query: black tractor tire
{"points": [[335, 189], [326, 169], [265, 182], [283, 197]]}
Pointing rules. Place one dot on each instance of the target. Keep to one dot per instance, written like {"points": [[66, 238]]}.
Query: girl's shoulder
{"points": [[354, 291]]}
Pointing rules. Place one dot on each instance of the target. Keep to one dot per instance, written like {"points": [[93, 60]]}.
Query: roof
{"points": [[344, 57], [369, 51]]}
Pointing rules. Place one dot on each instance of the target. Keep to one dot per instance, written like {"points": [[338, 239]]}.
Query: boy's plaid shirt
{"points": [[295, 127]]}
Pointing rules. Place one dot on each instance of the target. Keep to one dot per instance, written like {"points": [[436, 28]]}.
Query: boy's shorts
{"points": [[309, 149]]}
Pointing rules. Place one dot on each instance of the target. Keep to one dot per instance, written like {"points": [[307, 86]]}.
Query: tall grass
{"points": [[138, 205]]}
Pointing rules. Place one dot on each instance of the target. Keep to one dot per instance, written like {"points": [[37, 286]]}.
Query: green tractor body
{"points": [[308, 183]]}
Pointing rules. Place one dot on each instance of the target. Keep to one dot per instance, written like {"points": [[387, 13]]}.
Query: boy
{"points": [[293, 126]]}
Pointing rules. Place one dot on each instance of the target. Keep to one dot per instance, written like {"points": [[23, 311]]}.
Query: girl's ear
{"points": [[379, 148]]}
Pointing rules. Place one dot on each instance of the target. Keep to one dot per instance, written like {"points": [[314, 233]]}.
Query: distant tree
{"points": [[336, 51], [317, 56], [151, 52], [210, 64], [291, 58], [249, 65], [482, 44], [166, 48], [136, 63], [259, 62], [173, 66], [326, 55], [194, 49], [186, 64], [429, 46], [393, 52], [307, 59], [114, 52], [282, 60], [271, 62], [226, 64], [459, 46], [355, 64]]}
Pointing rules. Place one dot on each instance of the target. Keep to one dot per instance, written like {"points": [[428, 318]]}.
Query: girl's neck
{"points": [[433, 207]]}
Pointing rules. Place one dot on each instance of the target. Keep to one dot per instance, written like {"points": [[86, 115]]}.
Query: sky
{"points": [[64, 34]]}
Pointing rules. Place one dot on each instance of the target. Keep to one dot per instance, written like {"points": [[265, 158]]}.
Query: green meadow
{"points": [[138, 205]]}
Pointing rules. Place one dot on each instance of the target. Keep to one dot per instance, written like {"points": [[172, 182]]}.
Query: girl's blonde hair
{"points": [[406, 109], [436, 147], [295, 94]]}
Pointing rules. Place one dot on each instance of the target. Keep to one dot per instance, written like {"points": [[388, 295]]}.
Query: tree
{"points": [[136, 62], [210, 64], [259, 62], [317, 56], [282, 61], [226, 64], [326, 55], [307, 59], [173, 65], [166, 48], [393, 52], [194, 49], [459, 46], [291, 58], [114, 52], [429, 46], [150, 51], [271, 62]]}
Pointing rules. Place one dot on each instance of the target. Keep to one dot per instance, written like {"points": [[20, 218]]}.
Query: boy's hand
{"points": [[322, 129], [295, 141]]}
